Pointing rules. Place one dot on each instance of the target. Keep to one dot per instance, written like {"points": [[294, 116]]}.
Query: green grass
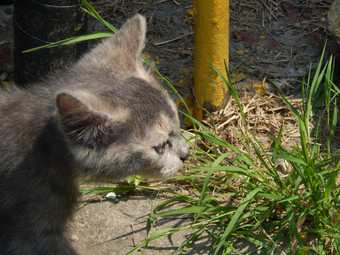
{"points": [[275, 214], [242, 195]]}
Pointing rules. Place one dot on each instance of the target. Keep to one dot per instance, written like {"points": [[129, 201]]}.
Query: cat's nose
{"points": [[185, 156]]}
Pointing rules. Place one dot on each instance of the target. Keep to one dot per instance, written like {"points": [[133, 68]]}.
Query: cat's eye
{"points": [[161, 148]]}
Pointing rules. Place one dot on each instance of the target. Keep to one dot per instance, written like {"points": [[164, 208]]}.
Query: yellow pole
{"points": [[211, 42]]}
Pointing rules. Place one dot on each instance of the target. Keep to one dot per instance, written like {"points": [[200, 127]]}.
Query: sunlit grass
{"points": [[294, 214]]}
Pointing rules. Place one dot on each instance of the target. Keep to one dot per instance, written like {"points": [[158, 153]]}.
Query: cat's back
{"points": [[19, 102], [23, 114]]}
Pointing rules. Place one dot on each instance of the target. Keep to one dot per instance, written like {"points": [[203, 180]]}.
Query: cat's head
{"points": [[124, 123]]}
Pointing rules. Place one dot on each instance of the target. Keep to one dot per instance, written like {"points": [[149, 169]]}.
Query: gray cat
{"points": [[105, 118]]}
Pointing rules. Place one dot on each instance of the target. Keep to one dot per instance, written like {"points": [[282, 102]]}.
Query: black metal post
{"points": [[38, 22]]}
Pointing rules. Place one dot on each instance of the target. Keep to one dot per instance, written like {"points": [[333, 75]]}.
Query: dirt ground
{"points": [[273, 39], [269, 39], [106, 227]]}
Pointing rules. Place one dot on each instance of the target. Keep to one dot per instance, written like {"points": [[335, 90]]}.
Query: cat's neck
{"points": [[52, 158]]}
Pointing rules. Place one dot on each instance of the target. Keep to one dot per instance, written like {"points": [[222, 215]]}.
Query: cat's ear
{"points": [[122, 50], [81, 124], [130, 40]]}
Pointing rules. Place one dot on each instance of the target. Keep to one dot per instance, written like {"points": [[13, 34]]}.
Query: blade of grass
{"points": [[231, 89], [77, 39], [292, 225], [236, 217], [208, 176], [90, 10]]}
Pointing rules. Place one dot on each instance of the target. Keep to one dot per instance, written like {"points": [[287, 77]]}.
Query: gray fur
{"points": [[104, 118]]}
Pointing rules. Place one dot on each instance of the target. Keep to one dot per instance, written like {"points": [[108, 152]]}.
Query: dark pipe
{"points": [[38, 22]]}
